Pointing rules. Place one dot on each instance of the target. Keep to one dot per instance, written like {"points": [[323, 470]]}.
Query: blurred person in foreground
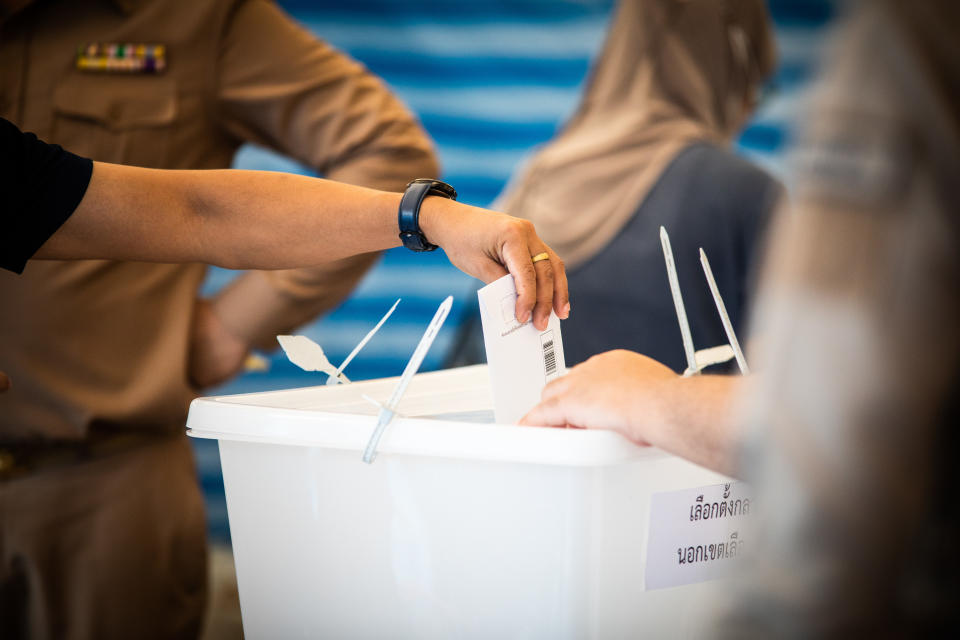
{"points": [[105, 356], [851, 432], [852, 428], [650, 146]]}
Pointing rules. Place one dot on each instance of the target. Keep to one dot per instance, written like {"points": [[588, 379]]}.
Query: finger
{"points": [[561, 294], [541, 313], [548, 413], [517, 257]]}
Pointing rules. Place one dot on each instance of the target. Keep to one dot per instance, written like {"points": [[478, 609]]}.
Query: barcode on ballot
{"points": [[549, 354]]}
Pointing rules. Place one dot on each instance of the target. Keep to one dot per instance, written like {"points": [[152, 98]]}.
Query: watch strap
{"points": [[408, 215]]}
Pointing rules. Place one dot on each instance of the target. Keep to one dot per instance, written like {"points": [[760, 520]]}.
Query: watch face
{"points": [[437, 187], [444, 189]]}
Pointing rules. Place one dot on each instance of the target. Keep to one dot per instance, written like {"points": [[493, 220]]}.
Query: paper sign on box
{"points": [[696, 534], [521, 358]]}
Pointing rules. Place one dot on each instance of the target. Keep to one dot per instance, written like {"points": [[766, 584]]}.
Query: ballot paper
{"points": [[521, 359]]}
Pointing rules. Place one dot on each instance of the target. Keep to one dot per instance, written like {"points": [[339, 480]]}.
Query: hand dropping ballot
{"points": [[521, 359]]}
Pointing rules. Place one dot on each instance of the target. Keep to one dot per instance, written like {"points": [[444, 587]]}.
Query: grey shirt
{"points": [[706, 197]]}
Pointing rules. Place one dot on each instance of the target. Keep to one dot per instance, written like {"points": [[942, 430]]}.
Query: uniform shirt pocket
{"points": [[125, 119]]}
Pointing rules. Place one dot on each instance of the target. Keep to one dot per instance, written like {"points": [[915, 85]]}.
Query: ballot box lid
{"points": [[443, 414]]}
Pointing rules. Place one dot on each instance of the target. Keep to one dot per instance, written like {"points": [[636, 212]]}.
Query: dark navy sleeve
{"points": [[40, 187]]}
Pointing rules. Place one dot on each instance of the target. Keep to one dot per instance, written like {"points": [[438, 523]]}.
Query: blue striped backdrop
{"points": [[490, 80]]}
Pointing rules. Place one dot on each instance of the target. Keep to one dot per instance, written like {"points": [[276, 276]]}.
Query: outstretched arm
{"points": [[265, 220]]}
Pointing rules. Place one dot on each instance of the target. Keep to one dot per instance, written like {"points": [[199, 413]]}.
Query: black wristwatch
{"points": [[408, 217]]}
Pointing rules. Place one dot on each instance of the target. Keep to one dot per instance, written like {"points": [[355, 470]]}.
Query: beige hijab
{"points": [[671, 72]]}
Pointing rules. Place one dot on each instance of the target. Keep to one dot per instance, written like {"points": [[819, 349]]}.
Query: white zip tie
{"points": [[387, 412], [308, 355], [678, 303], [724, 317], [360, 345]]}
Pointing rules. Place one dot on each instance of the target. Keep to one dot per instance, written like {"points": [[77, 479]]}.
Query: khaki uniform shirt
{"points": [[97, 343]]}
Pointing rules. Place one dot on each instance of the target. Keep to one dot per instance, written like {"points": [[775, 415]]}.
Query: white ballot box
{"points": [[460, 528]]}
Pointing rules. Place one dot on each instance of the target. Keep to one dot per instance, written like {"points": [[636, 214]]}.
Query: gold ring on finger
{"points": [[541, 256]]}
